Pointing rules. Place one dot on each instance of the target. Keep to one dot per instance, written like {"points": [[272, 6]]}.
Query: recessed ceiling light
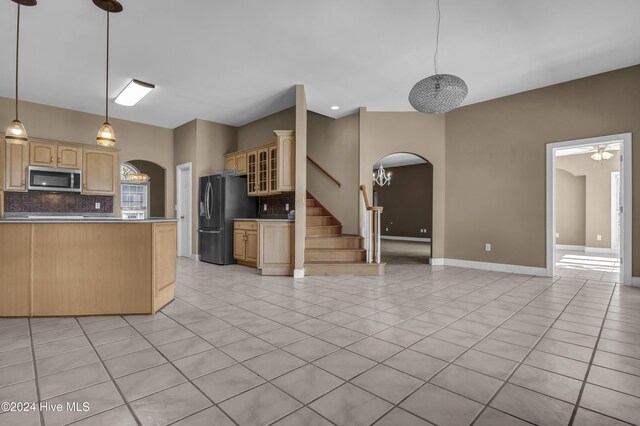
{"points": [[134, 91], [335, 107]]}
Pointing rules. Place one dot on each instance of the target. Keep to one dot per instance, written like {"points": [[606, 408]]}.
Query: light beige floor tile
{"points": [[468, 383], [375, 349], [204, 363], [170, 405], [273, 364], [611, 403], [303, 416], [146, 382], [208, 417], [387, 383], [488, 364], [416, 364], [307, 383], [344, 364], [552, 384], [441, 407], [260, 406], [228, 382], [557, 364], [532, 406], [350, 406]]}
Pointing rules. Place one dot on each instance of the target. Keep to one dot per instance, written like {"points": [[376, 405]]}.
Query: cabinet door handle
{"points": [[51, 160], [58, 159]]}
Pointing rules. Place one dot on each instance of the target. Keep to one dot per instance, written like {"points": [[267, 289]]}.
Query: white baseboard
{"points": [[392, 237], [601, 250], [436, 262], [498, 267], [635, 281], [298, 273], [569, 247]]}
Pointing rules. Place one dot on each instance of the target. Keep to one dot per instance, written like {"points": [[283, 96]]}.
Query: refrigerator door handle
{"points": [[209, 232], [207, 201]]}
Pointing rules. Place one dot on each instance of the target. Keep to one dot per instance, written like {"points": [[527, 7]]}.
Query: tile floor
{"points": [[422, 345], [593, 266]]}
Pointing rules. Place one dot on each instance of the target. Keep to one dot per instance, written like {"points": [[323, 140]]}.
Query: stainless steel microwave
{"points": [[54, 180]]}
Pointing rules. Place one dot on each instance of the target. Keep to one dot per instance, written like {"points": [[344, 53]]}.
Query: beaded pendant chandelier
{"points": [[381, 177], [438, 93]]}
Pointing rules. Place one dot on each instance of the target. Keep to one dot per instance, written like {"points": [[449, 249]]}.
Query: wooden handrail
{"points": [[369, 207], [326, 173]]}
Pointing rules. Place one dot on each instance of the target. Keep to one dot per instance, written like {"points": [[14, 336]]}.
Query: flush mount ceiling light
{"points": [[335, 107], [601, 153], [106, 135], [16, 133], [438, 93], [381, 177], [134, 92]]}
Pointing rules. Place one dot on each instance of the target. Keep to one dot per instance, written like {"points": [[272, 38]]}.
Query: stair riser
{"points": [[334, 256], [311, 203], [323, 231], [319, 221], [334, 243], [365, 269], [315, 211]]}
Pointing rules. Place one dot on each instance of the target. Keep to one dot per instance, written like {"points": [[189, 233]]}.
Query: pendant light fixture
{"points": [[601, 153], [16, 133], [381, 177], [438, 93], [106, 135]]}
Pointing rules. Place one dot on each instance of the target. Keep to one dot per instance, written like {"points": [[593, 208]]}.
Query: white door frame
{"points": [[625, 172], [184, 251], [615, 244]]}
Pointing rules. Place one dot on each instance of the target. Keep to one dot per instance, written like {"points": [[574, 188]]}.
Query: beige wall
{"points": [[203, 144], [598, 193], [260, 132], [384, 133], [496, 163], [334, 144], [570, 208], [135, 141]]}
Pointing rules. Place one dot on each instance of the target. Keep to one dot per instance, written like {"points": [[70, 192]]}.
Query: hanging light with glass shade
{"points": [[16, 133], [438, 93], [106, 135]]}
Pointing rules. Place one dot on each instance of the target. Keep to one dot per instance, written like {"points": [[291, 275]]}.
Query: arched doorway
{"points": [[405, 190], [156, 185]]}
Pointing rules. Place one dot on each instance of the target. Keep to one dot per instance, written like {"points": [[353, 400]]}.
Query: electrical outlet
{"points": [[599, 237], [487, 247], [286, 207], [265, 208], [557, 235], [97, 206], [386, 229]]}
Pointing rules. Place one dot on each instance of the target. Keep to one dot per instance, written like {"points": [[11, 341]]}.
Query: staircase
{"points": [[328, 251]]}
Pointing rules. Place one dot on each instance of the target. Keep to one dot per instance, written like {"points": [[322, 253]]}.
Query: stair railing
{"points": [[371, 228], [324, 172]]}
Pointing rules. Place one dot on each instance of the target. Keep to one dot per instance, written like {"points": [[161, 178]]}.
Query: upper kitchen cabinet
{"points": [[252, 173], [50, 154], [236, 161], [99, 172], [15, 167], [286, 160]]}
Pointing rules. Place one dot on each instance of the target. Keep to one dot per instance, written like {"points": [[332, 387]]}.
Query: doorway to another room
{"points": [[183, 209], [403, 186], [588, 209]]}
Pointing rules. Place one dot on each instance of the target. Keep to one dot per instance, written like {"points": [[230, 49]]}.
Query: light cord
{"points": [[435, 55]]}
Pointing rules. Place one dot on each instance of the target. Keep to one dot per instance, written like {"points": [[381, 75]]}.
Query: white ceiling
{"points": [[235, 61], [399, 159]]}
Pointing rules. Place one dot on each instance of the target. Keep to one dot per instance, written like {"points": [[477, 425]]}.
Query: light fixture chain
{"points": [[17, 56], [435, 55], [106, 96]]}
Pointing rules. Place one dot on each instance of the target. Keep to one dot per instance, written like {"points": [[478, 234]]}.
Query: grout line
{"points": [[104, 366], [593, 355], [35, 370]]}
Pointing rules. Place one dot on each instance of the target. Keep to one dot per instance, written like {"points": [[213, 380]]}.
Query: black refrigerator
{"points": [[222, 199]]}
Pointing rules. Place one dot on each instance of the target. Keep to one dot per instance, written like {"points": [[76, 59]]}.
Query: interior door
{"points": [[184, 213]]}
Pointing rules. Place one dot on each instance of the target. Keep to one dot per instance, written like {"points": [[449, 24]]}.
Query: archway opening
{"points": [[405, 191], [156, 187]]}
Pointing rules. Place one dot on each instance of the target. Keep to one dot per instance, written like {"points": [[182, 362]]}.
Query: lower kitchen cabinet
{"points": [[265, 244]]}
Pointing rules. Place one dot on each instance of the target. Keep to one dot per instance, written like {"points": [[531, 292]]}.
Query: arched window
{"points": [[126, 170]]}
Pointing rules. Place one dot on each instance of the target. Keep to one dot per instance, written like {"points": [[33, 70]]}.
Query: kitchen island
{"points": [[90, 266]]}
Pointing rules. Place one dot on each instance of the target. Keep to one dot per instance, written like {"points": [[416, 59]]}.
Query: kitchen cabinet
{"points": [[263, 171], [273, 169], [276, 247], [47, 154], [252, 173], [245, 242], [15, 168], [286, 146], [100, 172], [236, 161]]}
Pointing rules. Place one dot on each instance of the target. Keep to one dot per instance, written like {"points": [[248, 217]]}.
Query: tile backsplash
{"points": [[45, 202], [276, 206]]}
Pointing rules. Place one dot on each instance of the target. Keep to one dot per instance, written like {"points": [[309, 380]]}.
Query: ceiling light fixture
{"points": [[601, 153], [381, 177], [16, 133], [335, 107], [134, 92], [438, 93], [106, 135]]}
